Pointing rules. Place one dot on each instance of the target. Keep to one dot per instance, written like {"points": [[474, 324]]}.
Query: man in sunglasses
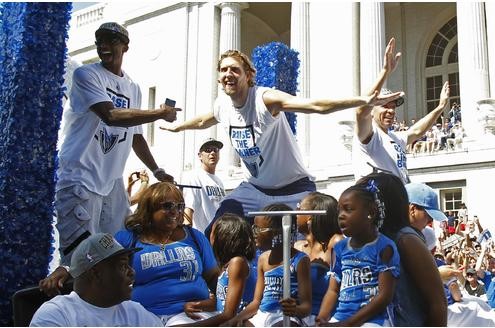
{"points": [[201, 204], [101, 125], [375, 145]]}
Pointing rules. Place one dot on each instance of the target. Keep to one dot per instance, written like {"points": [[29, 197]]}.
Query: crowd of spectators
{"points": [[461, 243], [444, 136]]}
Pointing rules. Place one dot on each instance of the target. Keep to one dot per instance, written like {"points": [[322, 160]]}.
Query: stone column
{"points": [[490, 40], [230, 39], [372, 41], [299, 41], [230, 26], [473, 63]]}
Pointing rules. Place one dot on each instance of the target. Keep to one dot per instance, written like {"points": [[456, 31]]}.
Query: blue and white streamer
{"points": [[32, 57], [277, 66]]}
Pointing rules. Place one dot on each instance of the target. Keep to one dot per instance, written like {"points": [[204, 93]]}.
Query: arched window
{"points": [[442, 64]]}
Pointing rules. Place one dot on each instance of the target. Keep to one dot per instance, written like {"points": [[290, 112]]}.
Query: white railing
{"points": [[90, 15]]}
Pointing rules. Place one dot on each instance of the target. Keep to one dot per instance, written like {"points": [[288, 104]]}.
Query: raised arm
{"points": [[363, 113], [197, 123], [126, 117], [420, 127], [278, 101]]}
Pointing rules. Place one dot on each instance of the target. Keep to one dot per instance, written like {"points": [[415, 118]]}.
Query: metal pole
{"points": [[286, 225]]}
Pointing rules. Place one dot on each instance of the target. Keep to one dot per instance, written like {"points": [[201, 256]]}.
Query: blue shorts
{"points": [[248, 198]]}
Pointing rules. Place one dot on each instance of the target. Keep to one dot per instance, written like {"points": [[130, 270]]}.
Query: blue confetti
{"points": [[277, 66], [32, 58]]}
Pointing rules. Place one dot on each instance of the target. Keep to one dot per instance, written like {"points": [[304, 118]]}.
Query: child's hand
{"points": [[288, 306], [320, 321], [191, 308]]}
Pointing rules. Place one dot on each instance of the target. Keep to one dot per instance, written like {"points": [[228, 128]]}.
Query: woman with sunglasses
{"points": [[176, 270]]}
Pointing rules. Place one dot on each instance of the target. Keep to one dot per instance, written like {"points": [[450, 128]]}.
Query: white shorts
{"points": [[269, 319], [80, 211]]}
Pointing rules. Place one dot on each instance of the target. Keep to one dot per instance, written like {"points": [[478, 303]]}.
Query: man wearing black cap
{"points": [[375, 146], [103, 282], [102, 123], [201, 204]]}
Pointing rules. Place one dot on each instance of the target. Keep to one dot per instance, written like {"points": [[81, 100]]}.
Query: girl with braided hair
{"points": [[366, 266]]}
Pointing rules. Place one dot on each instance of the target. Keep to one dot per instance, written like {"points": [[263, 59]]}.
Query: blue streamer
{"points": [[277, 66], [32, 56]]}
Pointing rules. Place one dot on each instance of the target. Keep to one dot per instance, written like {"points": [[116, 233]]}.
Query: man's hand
{"points": [[170, 129], [162, 176], [390, 59], [169, 113], [444, 95], [51, 285], [376, 100], [447, 272]]}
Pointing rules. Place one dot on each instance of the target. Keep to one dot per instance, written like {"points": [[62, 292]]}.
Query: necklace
{"points": [[162, 245]]}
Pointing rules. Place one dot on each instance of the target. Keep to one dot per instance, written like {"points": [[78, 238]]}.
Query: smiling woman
{"points": [[176, 269]]}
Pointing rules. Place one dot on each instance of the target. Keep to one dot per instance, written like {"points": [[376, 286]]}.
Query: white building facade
{"points": [[174, 49]]}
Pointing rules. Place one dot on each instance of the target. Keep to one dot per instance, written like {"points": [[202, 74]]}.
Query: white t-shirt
{"points": [[71, 311], [384, 151], [204, 201], [94, 154], [265, 144]]}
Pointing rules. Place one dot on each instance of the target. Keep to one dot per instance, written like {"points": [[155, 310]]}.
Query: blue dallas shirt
{"points": [[247, 296], [274, 284], [357, 270], [166, 280]]}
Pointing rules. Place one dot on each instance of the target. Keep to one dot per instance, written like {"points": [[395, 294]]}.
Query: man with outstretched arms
{"points": [[259, 132]]}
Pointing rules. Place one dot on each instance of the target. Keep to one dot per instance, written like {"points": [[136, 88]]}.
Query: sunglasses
{"points": [[171, 206], [210, 149], [257, 230], [112, 40]]}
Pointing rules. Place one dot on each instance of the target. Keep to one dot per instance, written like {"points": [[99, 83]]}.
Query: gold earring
{"points": [[369, 217]]}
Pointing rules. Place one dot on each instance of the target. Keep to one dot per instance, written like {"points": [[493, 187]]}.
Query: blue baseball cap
{"points": [[424, 196]]}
